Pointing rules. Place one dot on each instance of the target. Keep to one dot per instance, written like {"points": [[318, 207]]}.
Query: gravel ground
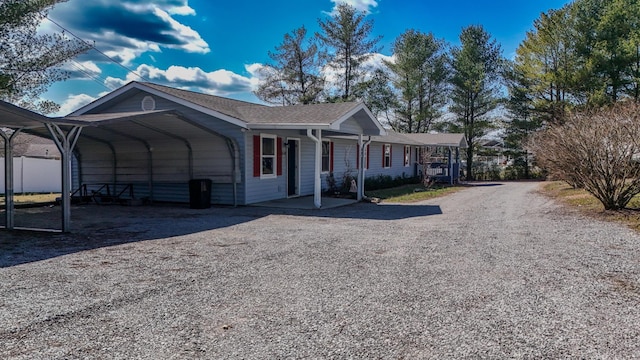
{"points": [[493, 271]]}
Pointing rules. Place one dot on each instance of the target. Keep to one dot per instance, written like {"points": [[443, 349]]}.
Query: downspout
{"points": [[363, 165], [317, 199]]}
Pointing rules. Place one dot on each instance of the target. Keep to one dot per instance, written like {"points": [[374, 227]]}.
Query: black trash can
{"points": [[200, 193]]}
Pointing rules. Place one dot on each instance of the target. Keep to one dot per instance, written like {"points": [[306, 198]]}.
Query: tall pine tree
{"points": [[476, 66], [346, 36]]}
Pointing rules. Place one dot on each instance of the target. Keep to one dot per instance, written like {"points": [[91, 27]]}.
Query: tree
{"points": [[522, 121], [378, 95], [476, 66], [420, 79], [294, 77], [547, 62], [346, 37], [596, 149], [30, 62]]}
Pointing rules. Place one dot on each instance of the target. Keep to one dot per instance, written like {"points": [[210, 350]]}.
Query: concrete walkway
{"points": [[306, 203]]}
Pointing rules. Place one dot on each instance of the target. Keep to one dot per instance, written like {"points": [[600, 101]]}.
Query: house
{"points": [[154, 139], [148, 141]]}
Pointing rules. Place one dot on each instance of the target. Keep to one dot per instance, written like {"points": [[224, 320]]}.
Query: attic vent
{"points": [[148, 103]]}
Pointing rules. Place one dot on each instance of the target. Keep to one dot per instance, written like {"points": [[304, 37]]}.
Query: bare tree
{"points": [[598, 150]]}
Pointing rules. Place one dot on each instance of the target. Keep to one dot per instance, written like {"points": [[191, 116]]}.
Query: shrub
{"points": [[598, 150]]}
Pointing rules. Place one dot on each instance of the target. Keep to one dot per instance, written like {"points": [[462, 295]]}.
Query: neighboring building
{"points": [[36, 163]]}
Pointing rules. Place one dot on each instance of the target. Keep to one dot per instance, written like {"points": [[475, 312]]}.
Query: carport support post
{"points": [[8, 177], [65, 143]]}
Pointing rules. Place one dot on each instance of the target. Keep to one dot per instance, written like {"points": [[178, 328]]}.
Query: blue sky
{"points": [[216, 46]]}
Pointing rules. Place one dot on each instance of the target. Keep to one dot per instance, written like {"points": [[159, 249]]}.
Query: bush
{"points": [[386, 181], [598, 150]]}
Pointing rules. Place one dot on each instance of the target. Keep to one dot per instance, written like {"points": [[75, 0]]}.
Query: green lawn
{"points": [[411, 193]]}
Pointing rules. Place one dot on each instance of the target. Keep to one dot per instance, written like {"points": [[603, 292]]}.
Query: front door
{"points": [[292, 167]]}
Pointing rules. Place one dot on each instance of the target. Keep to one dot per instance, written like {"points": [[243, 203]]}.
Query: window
{"points": [[327, 156], [407, 155], [268, 157], [386, 156], [366, 157]]}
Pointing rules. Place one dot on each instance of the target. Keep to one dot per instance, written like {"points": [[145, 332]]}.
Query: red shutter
{"points": [[390, 154], [358, 156], [367, 156], [256, 155], [331, 158], [279, 157]]}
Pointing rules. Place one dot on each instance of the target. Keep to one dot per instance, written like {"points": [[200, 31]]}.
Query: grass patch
{"points": [[411, 193], [32, 198], [587, 204]]}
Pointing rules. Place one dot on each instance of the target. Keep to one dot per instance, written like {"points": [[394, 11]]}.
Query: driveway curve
{"points": [[493, 271]]}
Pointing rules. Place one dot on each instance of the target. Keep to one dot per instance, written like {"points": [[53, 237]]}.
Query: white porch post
{"points": [[450, 159], [363, 165], [317, 186], [360, 193], [8, 177], [65, 143]]}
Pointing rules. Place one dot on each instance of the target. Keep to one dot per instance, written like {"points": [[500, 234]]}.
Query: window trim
{"points": [[330, 155], [274, 156], [407, 156], [386, 156]]}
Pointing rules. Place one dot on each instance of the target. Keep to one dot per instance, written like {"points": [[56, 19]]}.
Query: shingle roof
{"points": [[223, 105], [262, 114], [296, 114]]}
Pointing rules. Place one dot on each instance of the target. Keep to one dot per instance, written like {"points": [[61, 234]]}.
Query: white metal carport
{"points": [[14, 120]]}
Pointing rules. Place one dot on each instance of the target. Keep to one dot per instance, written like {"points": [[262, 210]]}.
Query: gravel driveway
{"points": [[493, 271]]}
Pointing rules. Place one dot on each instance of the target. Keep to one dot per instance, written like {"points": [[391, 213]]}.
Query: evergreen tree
{"points": [[294, 77], [378, 95], [346, 38], [476, 66], [420, 79], [30, 62]]}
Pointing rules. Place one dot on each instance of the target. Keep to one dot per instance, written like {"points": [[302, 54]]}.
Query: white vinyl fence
{"points": [[33, 175]]}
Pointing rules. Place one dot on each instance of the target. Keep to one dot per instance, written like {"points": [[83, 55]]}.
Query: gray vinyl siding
{"points": [[344, 161], [307, 166], [397, 161], [351, 126], [265, 189]]}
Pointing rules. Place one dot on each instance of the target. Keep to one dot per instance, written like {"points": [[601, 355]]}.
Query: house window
{"points": [[407, 155], [268, 157], [386, 156], [366, 157], [327, 156]]}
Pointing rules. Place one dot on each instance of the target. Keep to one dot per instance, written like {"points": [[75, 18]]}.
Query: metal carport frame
{"points": [[16, 120]]}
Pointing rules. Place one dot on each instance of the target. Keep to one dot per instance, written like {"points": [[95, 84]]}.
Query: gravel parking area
{"points": [[493, 271]]}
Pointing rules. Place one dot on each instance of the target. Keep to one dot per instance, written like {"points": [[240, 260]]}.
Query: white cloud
{"points": [[219, 82], [127, 29], [366, 6], [375, 61], [73, 103]]}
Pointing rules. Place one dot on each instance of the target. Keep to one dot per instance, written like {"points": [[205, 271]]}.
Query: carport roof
{"points": [[12, 116]]}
